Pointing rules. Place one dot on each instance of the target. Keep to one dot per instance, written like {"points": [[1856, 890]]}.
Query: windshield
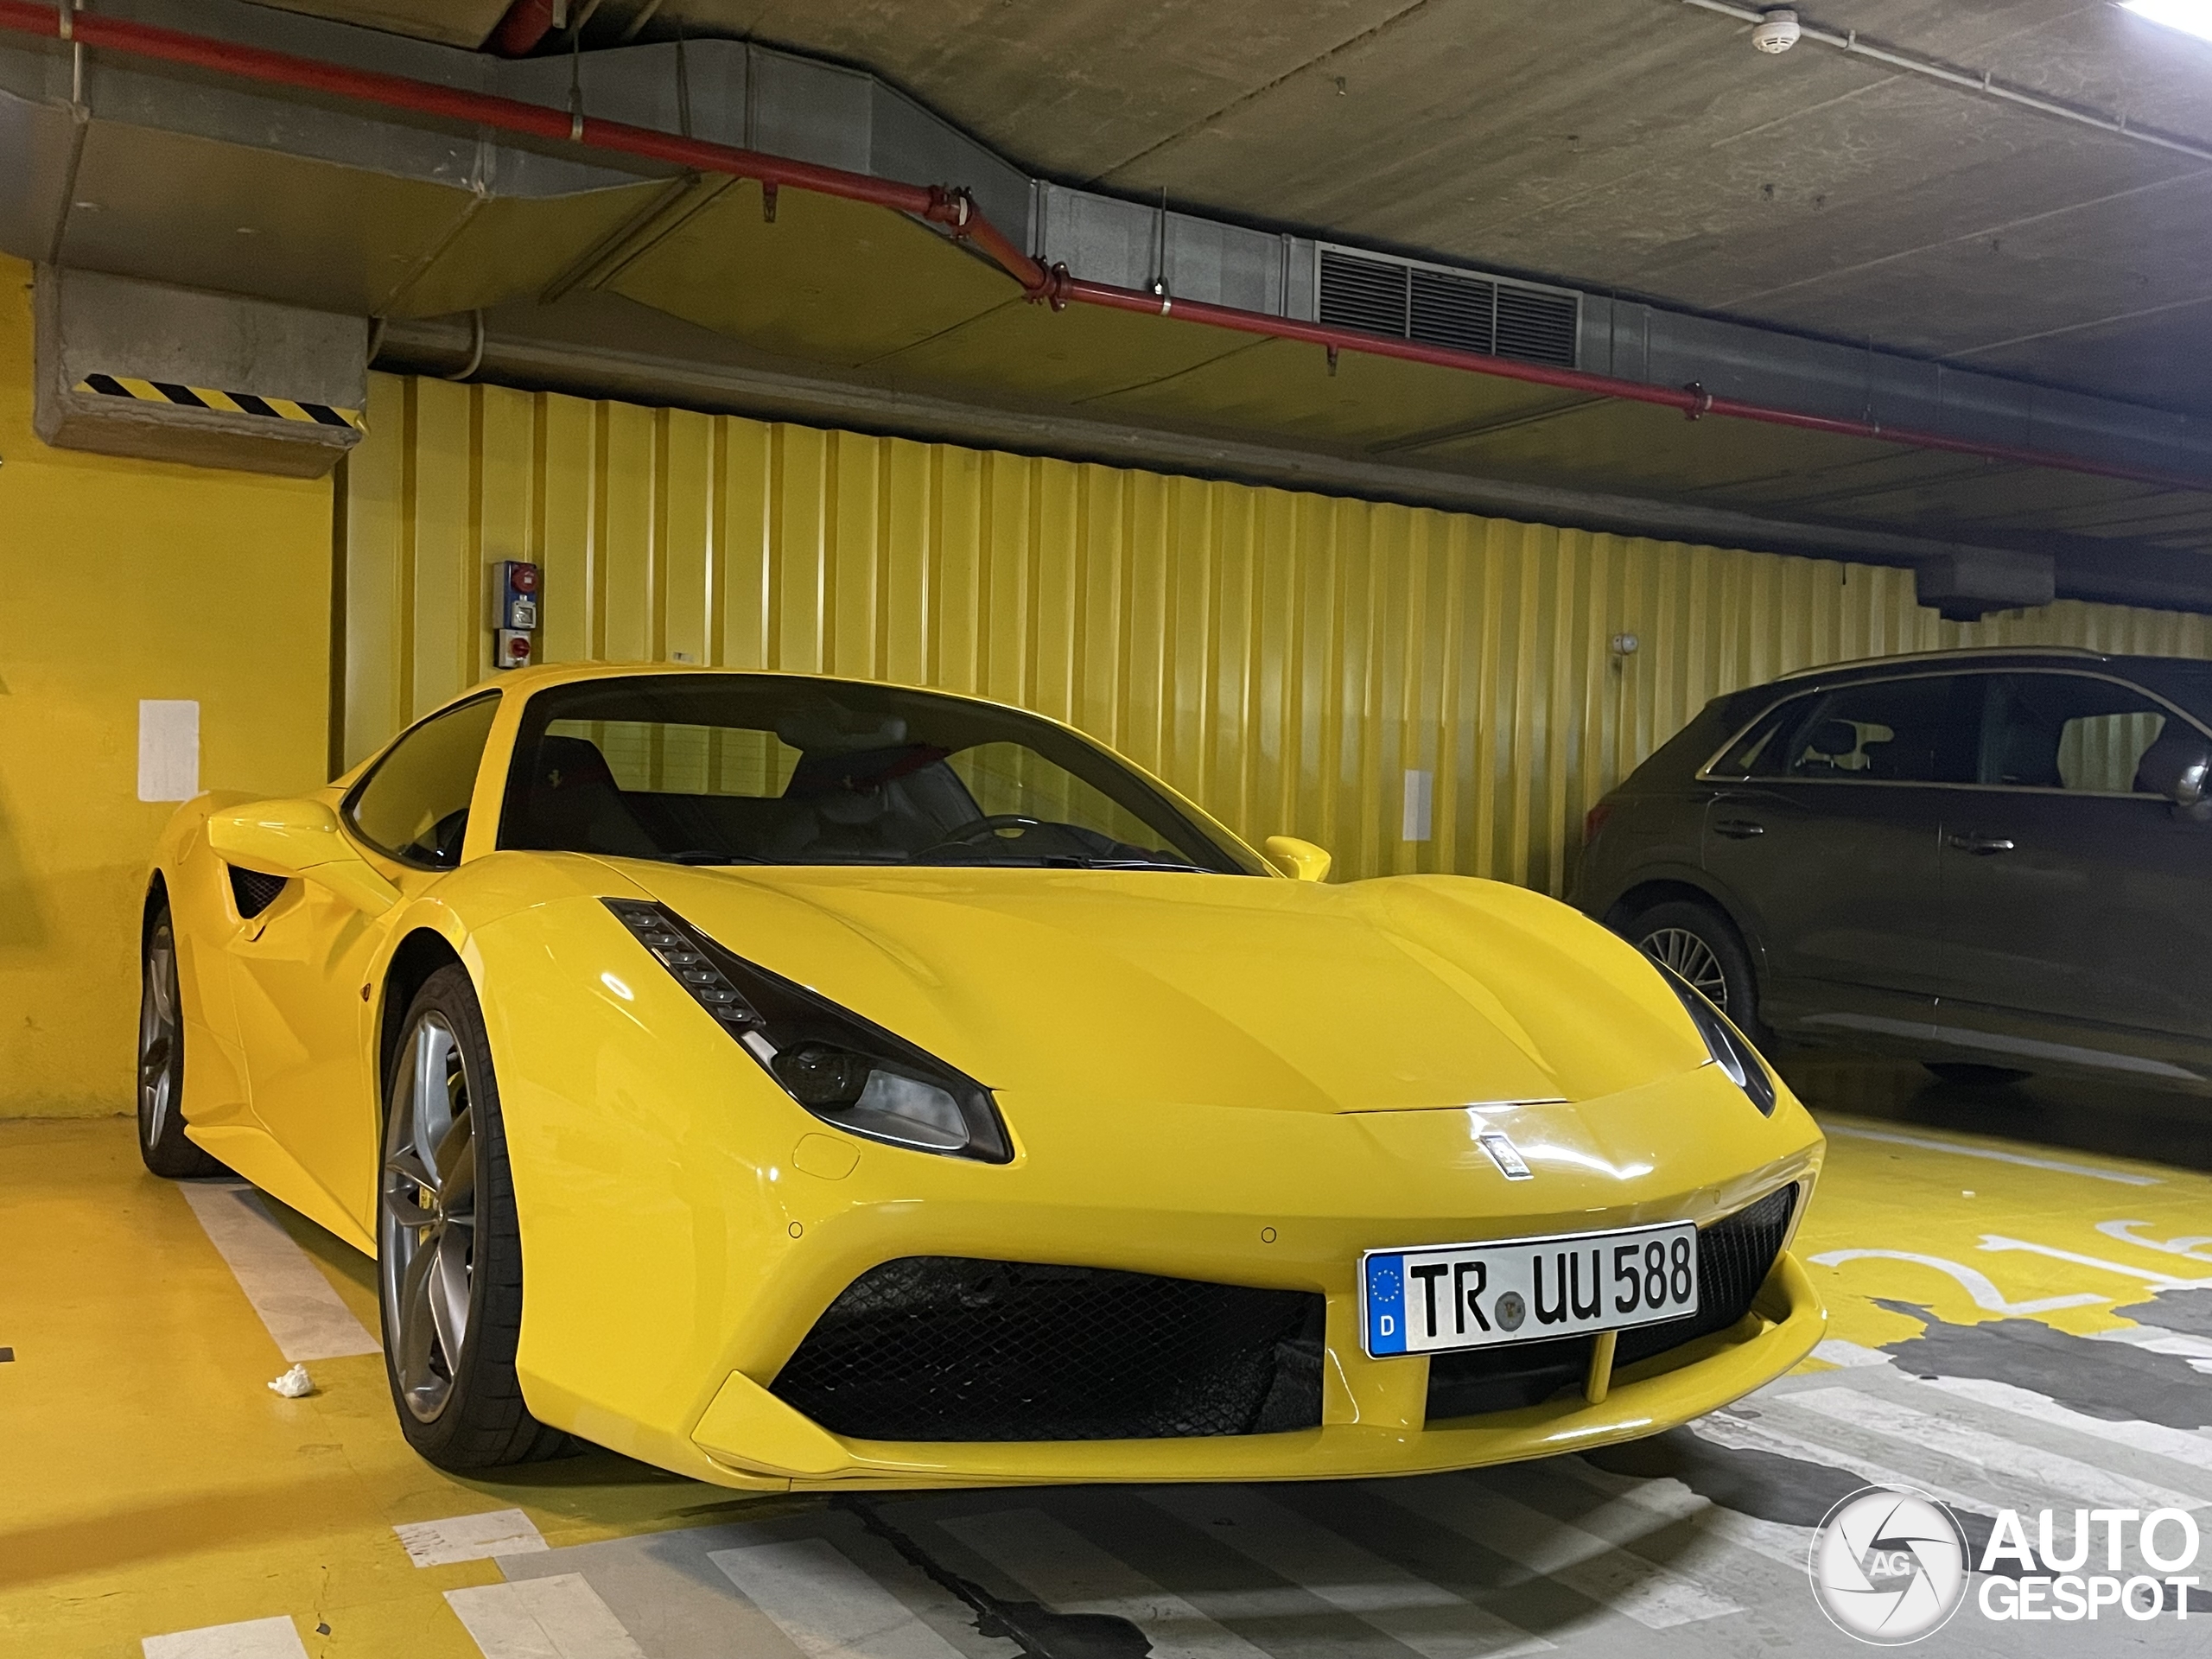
{"points": [[765, 769]]}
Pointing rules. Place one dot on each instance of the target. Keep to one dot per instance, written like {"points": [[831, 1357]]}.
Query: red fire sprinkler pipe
{"points": [[527, 23], [956, 211]]}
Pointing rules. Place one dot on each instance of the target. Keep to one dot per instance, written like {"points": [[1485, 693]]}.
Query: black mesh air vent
{"points": [[1442, 307], [1455, 311], [253, 891], [949, 1348], [1734, 1255], [1368, 294], [1536, 326]]}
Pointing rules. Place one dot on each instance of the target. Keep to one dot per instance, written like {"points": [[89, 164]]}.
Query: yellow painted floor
{"points": [[153, 1484]]}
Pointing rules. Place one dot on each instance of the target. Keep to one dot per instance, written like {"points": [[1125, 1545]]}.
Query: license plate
{"points": [[1440, 1298]]}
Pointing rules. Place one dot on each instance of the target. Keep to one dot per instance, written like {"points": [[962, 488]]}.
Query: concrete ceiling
{"points": [[1636, 144]]}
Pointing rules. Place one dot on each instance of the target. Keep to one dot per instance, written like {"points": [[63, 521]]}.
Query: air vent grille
{"points": [[254, 892], [1494, 317]]}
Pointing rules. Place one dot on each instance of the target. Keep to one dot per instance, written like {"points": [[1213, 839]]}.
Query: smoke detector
{"points": [[1776, 31]]}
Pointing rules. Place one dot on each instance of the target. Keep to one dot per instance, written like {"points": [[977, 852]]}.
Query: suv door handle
{"points": [[1981, 846], [1738, 829]]}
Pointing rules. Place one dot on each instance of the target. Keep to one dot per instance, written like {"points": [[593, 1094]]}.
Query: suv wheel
{"points": [[1702, 947]]}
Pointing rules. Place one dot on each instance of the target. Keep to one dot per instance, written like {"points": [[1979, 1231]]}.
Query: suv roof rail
{"points": [[1954, 653]]}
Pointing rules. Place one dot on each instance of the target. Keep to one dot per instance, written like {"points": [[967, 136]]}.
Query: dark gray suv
{"points": [[1998, 862]]}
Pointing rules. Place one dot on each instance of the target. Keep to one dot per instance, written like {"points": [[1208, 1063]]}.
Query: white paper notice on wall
{"points": [[1418, 785], [169, 749]]}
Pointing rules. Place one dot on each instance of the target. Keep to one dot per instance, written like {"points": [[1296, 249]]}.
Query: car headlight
{"points": [[846, 1071], [1731, 1052]]}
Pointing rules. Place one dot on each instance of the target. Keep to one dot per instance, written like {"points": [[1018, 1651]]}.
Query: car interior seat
{"points": [[575, 804]]}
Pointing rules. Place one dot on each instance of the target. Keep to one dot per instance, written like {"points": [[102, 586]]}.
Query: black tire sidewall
{"points": [[483, 1423], [172, 1155]]}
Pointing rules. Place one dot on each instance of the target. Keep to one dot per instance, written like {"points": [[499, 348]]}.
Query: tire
{"points": [[449, 1248], [1969, 1075], [1703, 946], [162, 1142]]}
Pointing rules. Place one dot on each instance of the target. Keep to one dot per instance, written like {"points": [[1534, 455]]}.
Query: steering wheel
{"points": [[969, 834]]}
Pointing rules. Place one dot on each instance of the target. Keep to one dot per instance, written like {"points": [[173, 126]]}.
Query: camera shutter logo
{"points": [[1889, 1565]]}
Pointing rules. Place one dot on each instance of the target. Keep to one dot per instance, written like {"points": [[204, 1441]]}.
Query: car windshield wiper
{"points": [[701, 857]]}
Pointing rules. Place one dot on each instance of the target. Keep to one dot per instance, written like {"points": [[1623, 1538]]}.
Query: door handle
{"points": [[1981, 846], [1738, 829]]}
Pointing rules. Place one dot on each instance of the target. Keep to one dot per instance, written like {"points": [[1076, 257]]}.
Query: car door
{"points": [[1825, 830], [2078, 905], [299, 977]]}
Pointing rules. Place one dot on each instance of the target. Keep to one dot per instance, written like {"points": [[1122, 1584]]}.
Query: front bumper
{"points": [[749, 1436]]}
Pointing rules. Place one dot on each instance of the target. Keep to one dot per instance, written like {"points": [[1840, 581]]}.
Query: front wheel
{"points": [[1702, 947], [162, 1142], [448, 1248]]}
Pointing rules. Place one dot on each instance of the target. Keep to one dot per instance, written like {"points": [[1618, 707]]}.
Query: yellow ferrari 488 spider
{"points": [[802, 1082]]}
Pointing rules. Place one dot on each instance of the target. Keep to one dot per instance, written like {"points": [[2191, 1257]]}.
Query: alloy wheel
{"points": [[1690, 958], [157, 1036], [427, 1216]]}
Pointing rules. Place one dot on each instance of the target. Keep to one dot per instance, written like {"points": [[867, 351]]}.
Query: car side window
{"points": [[2072, 732], [1912, 731], [413, 805]]}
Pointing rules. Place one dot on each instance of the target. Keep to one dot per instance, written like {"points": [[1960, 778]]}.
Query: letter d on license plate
{"points": [[1440, 1297]]}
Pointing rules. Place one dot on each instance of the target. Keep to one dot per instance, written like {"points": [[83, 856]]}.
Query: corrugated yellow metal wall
{"points": [[1286, 659]]}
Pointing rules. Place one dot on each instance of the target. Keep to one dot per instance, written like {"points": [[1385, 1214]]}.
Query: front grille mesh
{"points": [[1734, 1255], [952, 1347]]}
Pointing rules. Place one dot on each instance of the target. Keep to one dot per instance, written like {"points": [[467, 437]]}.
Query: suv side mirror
{"points": [[2178, 766], [300, 838], [1301, 861]]}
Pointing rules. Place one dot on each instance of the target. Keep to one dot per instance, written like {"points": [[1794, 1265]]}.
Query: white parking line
{"points": [[2158, 1440], [470, 1538], [1997, 1241], [1738, 1433], [256, 1638], [1993, 1453], [1991, 1155], [1625, 1584], [830, 1608], [1426, 1617], [558, 1617], [1976, 1283], [1070, 1574], [296, 1302]]}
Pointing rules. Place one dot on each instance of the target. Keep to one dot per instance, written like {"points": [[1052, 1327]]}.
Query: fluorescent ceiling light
{"points": [[2190, 16]]}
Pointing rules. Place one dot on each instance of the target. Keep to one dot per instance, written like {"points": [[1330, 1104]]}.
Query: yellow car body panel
{"points": [[1245, 1080]]}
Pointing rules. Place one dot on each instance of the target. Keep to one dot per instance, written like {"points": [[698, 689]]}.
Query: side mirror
{"points": [[300, 838], [1301, 861], [2178, 766]]}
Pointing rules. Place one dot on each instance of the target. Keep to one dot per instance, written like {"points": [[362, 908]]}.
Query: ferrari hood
{"points": [[1409, 992]]}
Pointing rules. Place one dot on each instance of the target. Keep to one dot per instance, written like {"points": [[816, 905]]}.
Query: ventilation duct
{"points": [[1435, 305]]}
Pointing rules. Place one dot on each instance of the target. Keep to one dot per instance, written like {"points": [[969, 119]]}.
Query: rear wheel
{"points": [[162, 1142], [1702, 947], [448, 1250], [1973, 1075]]}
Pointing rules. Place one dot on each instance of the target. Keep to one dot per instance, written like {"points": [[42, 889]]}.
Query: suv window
{"points": [[1915, 731], [413, 805], [2067, 731]]}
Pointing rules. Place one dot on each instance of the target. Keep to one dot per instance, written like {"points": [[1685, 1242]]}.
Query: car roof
{"points": [[1980, 656]]}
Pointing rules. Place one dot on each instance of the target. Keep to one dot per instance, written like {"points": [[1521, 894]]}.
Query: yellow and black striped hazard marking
{"points": [[224, 402]]}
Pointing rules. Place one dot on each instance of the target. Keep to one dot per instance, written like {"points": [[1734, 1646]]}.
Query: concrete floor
{"points": [[2021, 1298]]}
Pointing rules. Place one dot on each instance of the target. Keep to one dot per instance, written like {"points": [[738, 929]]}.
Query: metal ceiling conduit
{"points": [[956, 211]]}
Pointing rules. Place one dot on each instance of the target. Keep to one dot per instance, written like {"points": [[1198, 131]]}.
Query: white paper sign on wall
{"points": [[1418, 790], [169, 749]]}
